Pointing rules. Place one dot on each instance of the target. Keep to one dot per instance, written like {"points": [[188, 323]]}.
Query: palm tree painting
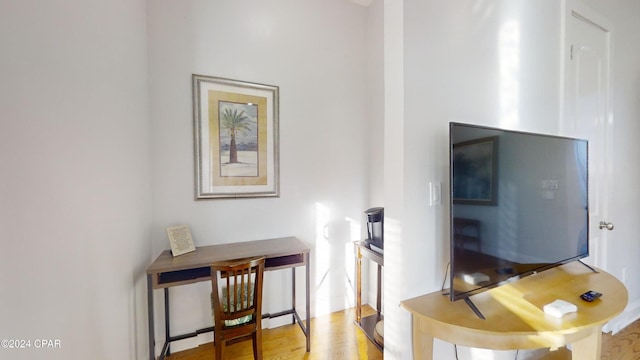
{"points": [[238, 139]]}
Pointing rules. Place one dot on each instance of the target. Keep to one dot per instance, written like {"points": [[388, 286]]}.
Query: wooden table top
{"points": [[368, 253], [516, 308], [205, 255]]}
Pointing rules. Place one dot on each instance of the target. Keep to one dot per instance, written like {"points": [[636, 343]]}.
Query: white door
{"points": [[587, 114]]}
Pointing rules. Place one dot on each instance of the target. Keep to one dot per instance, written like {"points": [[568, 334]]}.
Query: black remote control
{"points": [[590, 295]]}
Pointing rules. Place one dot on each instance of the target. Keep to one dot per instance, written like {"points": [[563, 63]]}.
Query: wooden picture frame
{"points": [[236, 138], [475, 165]]}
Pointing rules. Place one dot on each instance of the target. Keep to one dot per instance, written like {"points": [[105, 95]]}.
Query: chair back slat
{"points": [[241, 288]]}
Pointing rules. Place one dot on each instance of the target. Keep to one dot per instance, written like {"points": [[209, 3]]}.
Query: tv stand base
{"points": [[474, 308], [590, 268]]}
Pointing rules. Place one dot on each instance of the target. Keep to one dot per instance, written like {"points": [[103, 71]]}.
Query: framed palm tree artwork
{"points": [[236, 138]]}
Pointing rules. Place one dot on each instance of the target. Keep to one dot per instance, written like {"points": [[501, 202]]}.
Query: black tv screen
{"points": [[518, 205]]}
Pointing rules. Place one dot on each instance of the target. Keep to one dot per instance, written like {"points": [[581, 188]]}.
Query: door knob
{"points": [[607, 225]]}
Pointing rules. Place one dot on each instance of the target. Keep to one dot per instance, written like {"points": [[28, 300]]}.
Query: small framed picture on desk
{"points": [[180, 239]]}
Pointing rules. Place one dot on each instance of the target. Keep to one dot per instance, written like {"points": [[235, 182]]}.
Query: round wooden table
{"points": [[514, 315]]}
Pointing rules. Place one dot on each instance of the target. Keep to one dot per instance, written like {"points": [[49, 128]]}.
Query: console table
{"points": [[514, 315], [168, 271], [368, 323]]}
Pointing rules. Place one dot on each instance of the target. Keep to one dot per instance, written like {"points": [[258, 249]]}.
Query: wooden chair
{"points": [[237, 303]]}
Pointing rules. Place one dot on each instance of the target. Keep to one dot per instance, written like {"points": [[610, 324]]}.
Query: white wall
{"points": [[75, 199], [396, 333], [375, 136], [457, 67], [315, 52], [374, 133]]}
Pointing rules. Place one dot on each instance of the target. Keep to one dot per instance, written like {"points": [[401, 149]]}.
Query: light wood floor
{"points": [[624, 345], [336, 337], [333, 336]]}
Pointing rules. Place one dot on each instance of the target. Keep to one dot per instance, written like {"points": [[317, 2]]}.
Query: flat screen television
{"points": [[518, 205]]}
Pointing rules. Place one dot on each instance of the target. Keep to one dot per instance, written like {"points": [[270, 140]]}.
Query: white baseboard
{"points": [[272, 323], [630, 314], [186, 344]]}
